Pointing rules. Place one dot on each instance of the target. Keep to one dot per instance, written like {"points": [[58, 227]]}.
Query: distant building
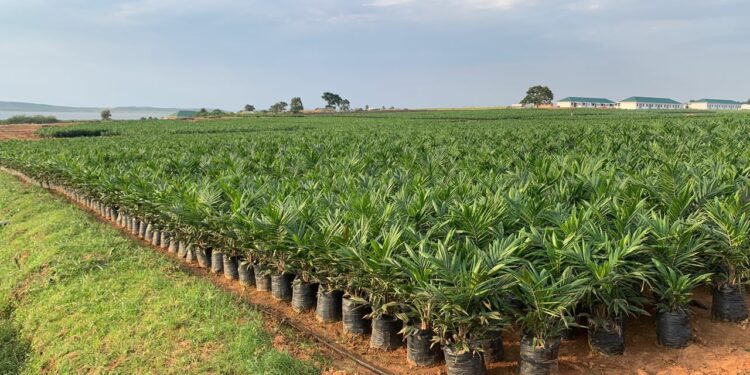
{"points": [[745, 107], [642, 102], [715, 105], [530, 105], [579, 102], [182, 115]]}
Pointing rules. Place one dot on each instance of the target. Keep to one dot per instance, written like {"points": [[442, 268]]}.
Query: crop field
{"points": [[459, 233]]}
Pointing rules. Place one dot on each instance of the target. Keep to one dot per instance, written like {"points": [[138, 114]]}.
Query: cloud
{"points": [[134, 11], [390, 3], [312, 12], [449, 5], [594, 5], [490, 4]]}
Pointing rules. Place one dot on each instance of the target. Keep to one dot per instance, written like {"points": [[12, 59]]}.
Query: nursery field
{"points": [[493, 239]]}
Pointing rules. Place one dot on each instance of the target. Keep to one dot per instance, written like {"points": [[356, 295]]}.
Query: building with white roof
{"points": [[581, 102], [715, 105], [644, 102]]}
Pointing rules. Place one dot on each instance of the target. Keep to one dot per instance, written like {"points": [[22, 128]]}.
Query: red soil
{"points": [[23, 131], [8, 132]]}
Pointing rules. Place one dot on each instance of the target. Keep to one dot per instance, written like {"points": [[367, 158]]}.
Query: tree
{"points": [[538, 95], [344, 105], [249, 108], [296, 106], [106, 114], [278, 107], [202, 113], [332, 100]]}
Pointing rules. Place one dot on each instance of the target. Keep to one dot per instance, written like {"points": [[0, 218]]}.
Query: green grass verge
{"points": [[77, 297]]}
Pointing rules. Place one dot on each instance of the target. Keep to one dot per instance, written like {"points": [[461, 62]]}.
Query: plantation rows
{"points": [[446, 229]]}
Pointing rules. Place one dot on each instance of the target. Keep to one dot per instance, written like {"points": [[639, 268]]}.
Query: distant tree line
{"points": [[24, 119], [333, 102], [206, 113]]}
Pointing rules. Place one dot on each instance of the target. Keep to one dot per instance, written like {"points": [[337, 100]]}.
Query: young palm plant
{"points": [[728, 228], [675, 247], [616, 277], [417, 303], [375, 261], [547, 300], [279, 222], [470, 296]]}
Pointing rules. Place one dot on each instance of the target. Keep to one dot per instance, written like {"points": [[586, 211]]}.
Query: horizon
{"points": [[402, 53], [150, 107]]}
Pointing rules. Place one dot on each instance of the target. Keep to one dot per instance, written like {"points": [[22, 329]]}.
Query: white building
{"points": [[642, 102], [745, 107], [580, 102], [715, 105]]}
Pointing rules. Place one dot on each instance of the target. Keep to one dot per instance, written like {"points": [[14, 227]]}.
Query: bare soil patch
{"points": [[8, 132], [24, 131]]}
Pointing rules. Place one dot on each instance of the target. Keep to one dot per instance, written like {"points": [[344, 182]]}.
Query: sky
{"points": [[402, 53]]}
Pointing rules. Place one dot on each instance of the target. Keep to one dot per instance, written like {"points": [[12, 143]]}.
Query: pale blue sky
{"points": [[405, 53]]}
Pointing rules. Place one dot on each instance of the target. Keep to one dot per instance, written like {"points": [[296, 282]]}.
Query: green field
{"points": [[459, 223], [76, 297]]}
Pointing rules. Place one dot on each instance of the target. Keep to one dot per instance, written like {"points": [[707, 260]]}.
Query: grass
{"points": [[76, 297]]}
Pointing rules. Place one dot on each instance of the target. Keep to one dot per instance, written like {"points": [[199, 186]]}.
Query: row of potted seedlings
{"points": [[463, 292], [387, 332]]}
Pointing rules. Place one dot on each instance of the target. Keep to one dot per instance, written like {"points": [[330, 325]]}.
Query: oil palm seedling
{"points": [[332, 273], [547, 300], [278, 221], [305, 259], [616, 278], [675, 248], [192, 213], [481, 221], [470, 296], [728, 228], [417, 302], [375, 260]]}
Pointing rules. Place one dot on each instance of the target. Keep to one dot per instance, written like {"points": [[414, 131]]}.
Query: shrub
{"points": [[24, 119]]}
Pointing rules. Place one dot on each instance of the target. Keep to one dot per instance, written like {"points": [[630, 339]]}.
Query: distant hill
{"points": [[32, 107]]}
